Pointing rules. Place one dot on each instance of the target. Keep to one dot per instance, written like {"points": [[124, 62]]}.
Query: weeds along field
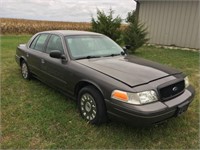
{"points": [[23, 26]]}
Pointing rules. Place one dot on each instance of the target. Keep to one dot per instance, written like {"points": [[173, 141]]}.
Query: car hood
{"points": [[131, 70]]}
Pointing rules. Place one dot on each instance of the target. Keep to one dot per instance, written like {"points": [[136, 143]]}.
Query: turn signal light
{"points": [[120, 95]]}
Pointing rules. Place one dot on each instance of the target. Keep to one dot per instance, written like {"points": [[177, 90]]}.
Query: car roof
{"points": [[70, 32]]}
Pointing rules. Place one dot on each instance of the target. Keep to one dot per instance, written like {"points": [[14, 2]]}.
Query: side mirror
{"points": [[126, 48], [57, 54]]}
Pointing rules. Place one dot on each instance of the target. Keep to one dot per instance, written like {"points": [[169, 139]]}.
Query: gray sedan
{"points": [[106, 82]]}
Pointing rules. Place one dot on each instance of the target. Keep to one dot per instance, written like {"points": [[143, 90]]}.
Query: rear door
{"points": [[36, 53]]}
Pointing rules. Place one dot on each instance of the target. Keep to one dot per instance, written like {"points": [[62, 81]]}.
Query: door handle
{"points": [[42, 61]]}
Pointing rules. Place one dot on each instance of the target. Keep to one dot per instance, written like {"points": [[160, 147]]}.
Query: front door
{"points": [[56, 70]]}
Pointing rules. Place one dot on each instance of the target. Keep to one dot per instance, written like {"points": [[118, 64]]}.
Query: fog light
{"points": [[187, 83]]}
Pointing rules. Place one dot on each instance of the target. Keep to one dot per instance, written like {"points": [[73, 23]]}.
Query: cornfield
{"points": [[23, 26]]}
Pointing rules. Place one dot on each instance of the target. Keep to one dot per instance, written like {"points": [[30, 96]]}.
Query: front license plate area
{"points": [[182, 108]]}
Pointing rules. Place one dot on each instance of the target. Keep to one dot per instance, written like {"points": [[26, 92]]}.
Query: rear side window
{"points": [[34, 42], [55, 43], [39, 42]]}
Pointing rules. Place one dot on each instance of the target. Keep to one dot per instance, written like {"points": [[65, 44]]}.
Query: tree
{"points": [[135, 34], [107, 25]]}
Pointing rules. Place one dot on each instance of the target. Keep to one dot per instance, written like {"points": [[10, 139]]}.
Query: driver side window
{"points": [[54, 43]]}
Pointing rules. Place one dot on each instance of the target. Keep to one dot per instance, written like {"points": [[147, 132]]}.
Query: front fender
{"points": [[85, 82]]}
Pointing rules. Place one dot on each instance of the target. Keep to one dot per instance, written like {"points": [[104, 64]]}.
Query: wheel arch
{"points": [[85, 83], [22, 59]]}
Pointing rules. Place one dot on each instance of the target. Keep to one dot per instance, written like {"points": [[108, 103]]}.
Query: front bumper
{"points": [[153, 113]]}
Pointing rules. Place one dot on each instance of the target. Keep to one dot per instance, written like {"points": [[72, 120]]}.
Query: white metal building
{"points": [[171, 22]]}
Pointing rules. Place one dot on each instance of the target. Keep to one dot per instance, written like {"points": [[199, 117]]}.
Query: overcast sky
{"points": [[63, 10]]}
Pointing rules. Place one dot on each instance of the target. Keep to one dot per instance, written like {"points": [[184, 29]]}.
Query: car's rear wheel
{"points": [[91, 105], [25, 70]]}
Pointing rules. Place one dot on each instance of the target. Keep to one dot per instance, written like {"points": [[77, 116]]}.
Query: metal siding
{"points": [[178, 27], [195, 27], [171, 22], [153, 27], [163, 15], [187, 17], [193, 24], [197, 43], [155, 24], [163, 23], [167, 24]]}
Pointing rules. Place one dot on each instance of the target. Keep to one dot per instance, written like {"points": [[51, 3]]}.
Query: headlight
{"points": [[186, 82], [135, 98]]}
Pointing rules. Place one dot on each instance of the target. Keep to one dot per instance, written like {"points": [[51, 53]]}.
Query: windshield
{"points": [[91, 46]]}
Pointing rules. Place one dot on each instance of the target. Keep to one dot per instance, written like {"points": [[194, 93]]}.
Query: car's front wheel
{"points": [[25, 71], [91, 105]]}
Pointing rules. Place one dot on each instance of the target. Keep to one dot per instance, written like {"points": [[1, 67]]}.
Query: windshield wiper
{"points": [[111, 55], [87, 57]]}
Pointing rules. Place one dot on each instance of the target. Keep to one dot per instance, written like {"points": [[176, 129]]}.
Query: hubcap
{"points": [[24, 70], [88, 107]]}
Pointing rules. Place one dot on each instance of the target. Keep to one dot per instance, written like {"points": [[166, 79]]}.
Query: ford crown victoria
{"points": [[106, 82]]}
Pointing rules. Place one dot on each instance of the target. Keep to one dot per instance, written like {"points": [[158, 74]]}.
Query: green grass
{"points": [[36, 116]]}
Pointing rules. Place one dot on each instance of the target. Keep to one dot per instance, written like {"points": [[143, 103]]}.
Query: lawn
{"points": [[35, 116]]}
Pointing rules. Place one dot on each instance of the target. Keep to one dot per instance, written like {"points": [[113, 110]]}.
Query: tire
{"points": [[91, 105], [25, 71]]}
